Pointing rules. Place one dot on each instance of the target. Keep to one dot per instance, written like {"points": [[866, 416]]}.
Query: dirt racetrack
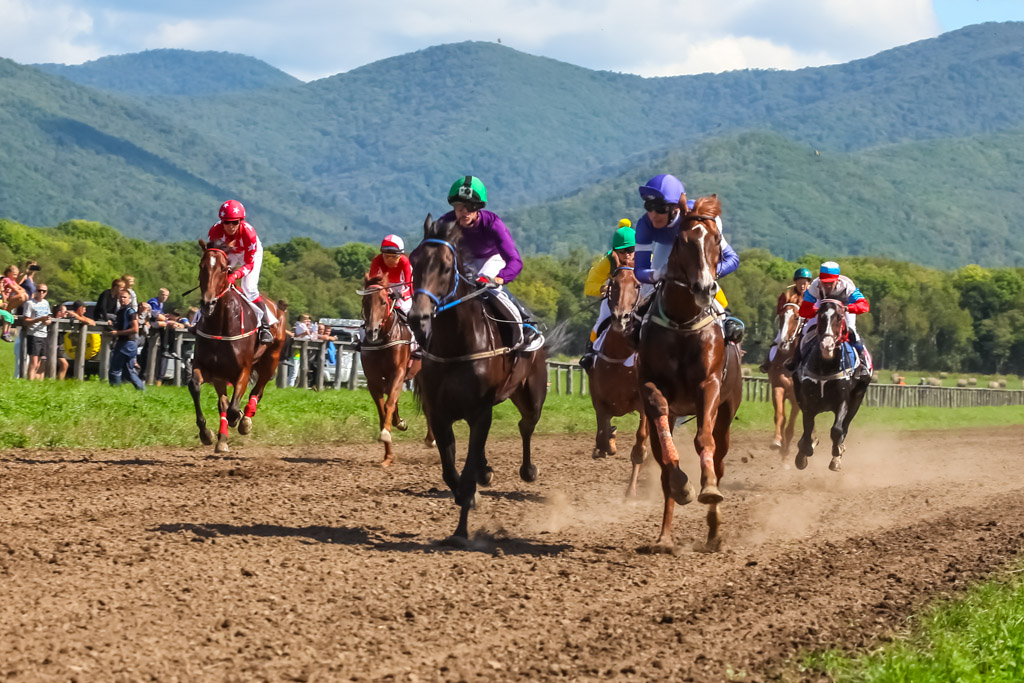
{"points": [[313, 564]]}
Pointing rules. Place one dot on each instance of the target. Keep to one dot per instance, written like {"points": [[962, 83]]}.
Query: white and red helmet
{"points": [[232, 210], [392, 244]]}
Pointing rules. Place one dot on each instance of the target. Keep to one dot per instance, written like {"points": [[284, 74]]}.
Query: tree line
{"points": [[970, 319]]}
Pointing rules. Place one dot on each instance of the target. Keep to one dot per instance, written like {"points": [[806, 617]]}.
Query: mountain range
{"points": [[912, 153]]}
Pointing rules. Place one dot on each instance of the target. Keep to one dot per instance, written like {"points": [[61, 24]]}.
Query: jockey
{"points": [[623, 244], [245, 255], [489, 253], [830, 284], [801, 281], [392, 264], [664, 197]]}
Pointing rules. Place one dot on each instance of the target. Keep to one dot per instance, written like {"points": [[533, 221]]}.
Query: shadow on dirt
{"points": [[375, 540], [87, 461], [516, 496]]}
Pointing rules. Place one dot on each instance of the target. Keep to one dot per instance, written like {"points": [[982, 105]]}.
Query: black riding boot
{"points": [[530, 330], [588, 358], [265, 335], [638, 318]]}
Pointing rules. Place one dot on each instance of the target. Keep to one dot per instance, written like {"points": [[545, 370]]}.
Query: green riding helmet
{"points": [[468, 190], [803, 273], [624, 238]]}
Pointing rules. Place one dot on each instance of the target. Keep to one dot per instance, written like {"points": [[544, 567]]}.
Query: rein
{"points": [[227, 288], [392, 306]]}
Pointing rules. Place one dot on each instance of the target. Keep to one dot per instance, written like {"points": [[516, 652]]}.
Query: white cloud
{"points": [[30, 32]]}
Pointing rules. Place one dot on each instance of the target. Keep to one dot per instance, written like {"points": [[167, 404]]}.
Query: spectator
{"points": [[60, 312], [157, 302], [304, 329], [125, 332], [129, 284], [26, 281], [14, 295], [77, 312], [37, 318], [109, 301]]}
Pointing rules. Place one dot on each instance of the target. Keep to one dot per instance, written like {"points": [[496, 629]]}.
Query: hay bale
{"points": [[895, 378], [943, 375], [934, 382], [747, 372], [972, 381], [874, 378], [962, 382], [993, 385], [1002, 383]]}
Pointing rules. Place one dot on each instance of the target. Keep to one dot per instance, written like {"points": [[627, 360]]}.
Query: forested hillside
{"points": [[175, 72], [968, 319], [910, 144]]}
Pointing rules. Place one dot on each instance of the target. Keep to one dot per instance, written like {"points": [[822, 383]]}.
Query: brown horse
{"points": [[686, 368], [790, 324], [467, 368], [385, 357], [613, 385], [227, 348]]}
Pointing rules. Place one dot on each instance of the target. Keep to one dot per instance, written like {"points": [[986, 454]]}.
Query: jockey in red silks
{"points": [[831, 284], [393, 264], [245, 256]]}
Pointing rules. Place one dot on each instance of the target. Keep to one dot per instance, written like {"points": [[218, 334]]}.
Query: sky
{"points": [[313, 39]]}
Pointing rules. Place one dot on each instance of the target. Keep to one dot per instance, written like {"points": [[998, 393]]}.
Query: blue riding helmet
{"points": [[665, 187]]}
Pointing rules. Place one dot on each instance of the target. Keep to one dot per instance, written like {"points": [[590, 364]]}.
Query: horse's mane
{"points": [[793, 296], [707, 206], [218, 244], [371, 281]]}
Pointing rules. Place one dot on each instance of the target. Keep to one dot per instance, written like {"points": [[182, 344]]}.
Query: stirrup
{"points": [[587, 361], [265, 335]]}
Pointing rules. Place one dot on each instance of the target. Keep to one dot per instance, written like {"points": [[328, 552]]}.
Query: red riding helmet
{"points": [[232, 210]]}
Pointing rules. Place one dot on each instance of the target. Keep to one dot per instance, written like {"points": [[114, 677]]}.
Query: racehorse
{"points": [[825, 382], [686, 367], [790, 324], [227, 350], [613, 386], [467, 368], [385, 357]]}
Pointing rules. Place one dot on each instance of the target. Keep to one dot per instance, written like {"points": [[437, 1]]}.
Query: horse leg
{"points": [[529, 400], [838, 434], [637, 455], [195, 384], [779, 405], [237, 391], [466, 496], [805, 448], [714, 517], [446, 449], [266, 369], [704, 442], [661, 423], [602, 447], [794, 409], [222, 408]]}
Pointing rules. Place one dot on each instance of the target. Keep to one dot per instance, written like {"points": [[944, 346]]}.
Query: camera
{"points": [[34, 267]]}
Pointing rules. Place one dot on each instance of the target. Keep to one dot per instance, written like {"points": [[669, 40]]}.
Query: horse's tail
{"points": [[417, 391], [557, 338]]}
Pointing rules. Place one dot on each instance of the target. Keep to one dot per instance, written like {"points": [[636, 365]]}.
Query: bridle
{"points": [[445, 302], [390, 306], [789, 339], [227, 287], [706, 315]]}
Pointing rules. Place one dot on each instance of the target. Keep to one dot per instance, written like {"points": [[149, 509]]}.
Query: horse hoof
{"points": [[484, 476], [453, 541], [387, 461], [801, 461], [221, 447], [612, 449], [776, 445], [401, 425], [710, 495], [206, 436], [597, 454], [385, 436], [430, 444], [836, 464], [711, 546], [680, 488], [528, 472], [659, 548], [233, 420], [245, 426]]}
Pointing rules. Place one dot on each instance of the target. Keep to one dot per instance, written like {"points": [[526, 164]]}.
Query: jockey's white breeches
{"points": [[489, 266], [249, 284], [405, 305]]}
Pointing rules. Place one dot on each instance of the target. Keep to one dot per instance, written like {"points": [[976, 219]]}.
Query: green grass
{"points": [[91, 414], [913, 377], [978, 638]]}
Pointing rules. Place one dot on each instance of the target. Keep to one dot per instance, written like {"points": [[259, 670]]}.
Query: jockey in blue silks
{"points": [[664, 198]]}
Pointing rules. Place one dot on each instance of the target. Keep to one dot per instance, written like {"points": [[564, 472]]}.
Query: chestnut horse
{"points": [[227, 348], [467, 369], [825, 382], [781, 379], [686, 368], [385, 356], [613, 387]]}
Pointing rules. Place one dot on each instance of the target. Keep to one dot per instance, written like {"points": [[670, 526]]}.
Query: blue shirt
{"points": [[653, 246], [123, 321]]}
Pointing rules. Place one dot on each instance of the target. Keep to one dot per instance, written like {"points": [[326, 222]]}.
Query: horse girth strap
{"points": [[616, 361], [217, 337], [379, 347], [480, 355], [698, 322]]}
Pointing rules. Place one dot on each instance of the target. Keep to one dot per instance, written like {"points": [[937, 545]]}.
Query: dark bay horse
{"points": [[614, 391], [227, 349], [825, 382], [466, 367], [790, 324], [385, 355], [687, 368]]}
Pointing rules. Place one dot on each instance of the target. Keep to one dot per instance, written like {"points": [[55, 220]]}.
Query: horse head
{"points": [[693, 261], [790, 323], [623, 293], [377, 307], [831, 326], [435, 273], [213, 275]]}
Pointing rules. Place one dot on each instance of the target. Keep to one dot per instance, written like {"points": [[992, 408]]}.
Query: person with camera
{"points": [[37, 320], [13, 295]]}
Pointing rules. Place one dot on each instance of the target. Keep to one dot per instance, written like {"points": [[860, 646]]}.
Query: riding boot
{"points": [[588, 358], [763, 367], [530, 331], [265, 335], [862, 365], [794, 362], [732, 329]]}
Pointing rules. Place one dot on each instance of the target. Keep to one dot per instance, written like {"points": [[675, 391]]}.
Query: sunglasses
{"points": [[656, 206], [43, 291], [231, 222]]}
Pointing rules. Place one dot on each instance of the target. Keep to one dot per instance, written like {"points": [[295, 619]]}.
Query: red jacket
{"points": [[241, 248], [402, 272]]}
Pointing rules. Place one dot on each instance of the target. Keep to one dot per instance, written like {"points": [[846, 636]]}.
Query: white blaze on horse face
{"points": [[828, 340], [704, 280], [213, 261]]}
